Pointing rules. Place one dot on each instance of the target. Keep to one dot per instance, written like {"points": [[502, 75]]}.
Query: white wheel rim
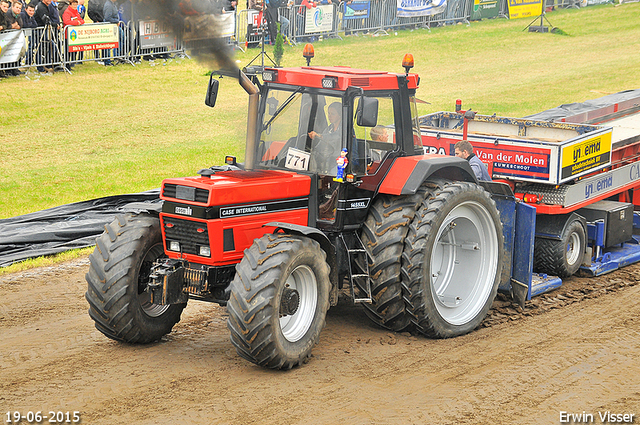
{"points": [[573, 249], [464, 262], [295, 326]]}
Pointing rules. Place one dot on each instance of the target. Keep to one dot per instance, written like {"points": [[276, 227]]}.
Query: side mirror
{"points": [[212, 91], [367, 115]]}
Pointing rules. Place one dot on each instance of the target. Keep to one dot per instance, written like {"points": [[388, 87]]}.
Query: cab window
{"points": [[373, 144]]}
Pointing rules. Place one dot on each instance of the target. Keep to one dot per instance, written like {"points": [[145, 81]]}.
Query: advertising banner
{"points": [[319, 19], [357, 10], [155, 34], [92, 37], [411, 8], [524, 8], [506, 160], [12, 46], [586, 155], [226, 24], [485, 9]]}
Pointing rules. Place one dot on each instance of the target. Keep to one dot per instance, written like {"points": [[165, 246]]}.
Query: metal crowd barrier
{"points": [[122, 53], [47, 47]]}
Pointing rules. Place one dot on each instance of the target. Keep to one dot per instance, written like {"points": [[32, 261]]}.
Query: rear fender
{"points": [[408, 172]]}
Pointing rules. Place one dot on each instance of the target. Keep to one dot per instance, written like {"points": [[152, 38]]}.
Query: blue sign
{"points": [[357, 10]]}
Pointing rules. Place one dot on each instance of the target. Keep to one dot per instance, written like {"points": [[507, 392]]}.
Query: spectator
{"points": [[27, 15], [14, 22], [125, 11], [82, 10], [110, 14], [46, 15], [55, 15], [73, 18], [4, 8], [464, 150], [229, 6], [271, 15], [71, 15], [94, 10], [62, 6], [12, 16], [29, 21], [302, 7]]}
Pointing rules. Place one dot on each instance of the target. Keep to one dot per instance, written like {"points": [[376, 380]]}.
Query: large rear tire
{"points": [[561, 257], [383, 237], [279, 299], [118, 276], [453, 260]]}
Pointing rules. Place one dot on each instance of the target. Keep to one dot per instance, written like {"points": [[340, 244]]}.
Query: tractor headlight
{"points": [[174, 246], [205, 251], [329, 83], [270, 76]]}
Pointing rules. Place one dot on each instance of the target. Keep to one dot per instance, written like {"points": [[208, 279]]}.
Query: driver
{"points": [[326, 145], [333, 132]]}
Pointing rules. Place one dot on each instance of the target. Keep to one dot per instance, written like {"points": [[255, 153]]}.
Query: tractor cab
{"points": [[341, 126]]}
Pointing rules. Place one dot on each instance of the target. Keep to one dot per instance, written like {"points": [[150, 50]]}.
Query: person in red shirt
{"points": [[71, 17]]}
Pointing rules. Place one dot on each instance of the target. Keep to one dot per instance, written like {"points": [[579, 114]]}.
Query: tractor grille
{"points": [[185, 193], [190, 234]]}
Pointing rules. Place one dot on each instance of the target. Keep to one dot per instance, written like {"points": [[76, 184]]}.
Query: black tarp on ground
{"points": [[65, 227], [570, 109]]}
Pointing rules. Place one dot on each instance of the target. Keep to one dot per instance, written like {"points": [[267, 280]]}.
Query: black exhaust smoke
{"points": [[198, 20]]}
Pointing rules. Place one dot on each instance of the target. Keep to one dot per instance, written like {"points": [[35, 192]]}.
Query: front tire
{"points": [[279, 299], [118, 276], [453, 260]]}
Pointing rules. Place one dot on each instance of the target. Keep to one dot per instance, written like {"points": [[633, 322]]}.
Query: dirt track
{"points": [[575, 350]]}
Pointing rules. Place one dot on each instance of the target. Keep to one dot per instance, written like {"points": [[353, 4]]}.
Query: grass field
{"points": [[105, 131]]}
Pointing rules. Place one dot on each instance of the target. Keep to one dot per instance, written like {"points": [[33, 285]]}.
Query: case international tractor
{"points": [[321, 203]]}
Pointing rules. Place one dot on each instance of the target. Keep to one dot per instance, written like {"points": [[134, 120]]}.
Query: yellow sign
{"points": [[586, 155], [524, 8]]}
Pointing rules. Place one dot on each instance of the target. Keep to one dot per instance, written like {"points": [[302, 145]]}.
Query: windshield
{"points": [[300, 131]]}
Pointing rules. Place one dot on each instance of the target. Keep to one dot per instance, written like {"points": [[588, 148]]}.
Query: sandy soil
{"points": [[575, 350]]}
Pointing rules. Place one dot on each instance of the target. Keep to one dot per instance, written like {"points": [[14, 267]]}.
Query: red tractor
{"points": [[335, 192]]}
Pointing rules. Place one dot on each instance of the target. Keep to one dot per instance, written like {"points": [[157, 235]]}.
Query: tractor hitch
{"points": [[173, 281], [167, 282]]}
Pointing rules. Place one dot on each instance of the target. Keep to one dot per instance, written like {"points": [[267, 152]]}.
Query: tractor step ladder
{"points": [[358, 268]]}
